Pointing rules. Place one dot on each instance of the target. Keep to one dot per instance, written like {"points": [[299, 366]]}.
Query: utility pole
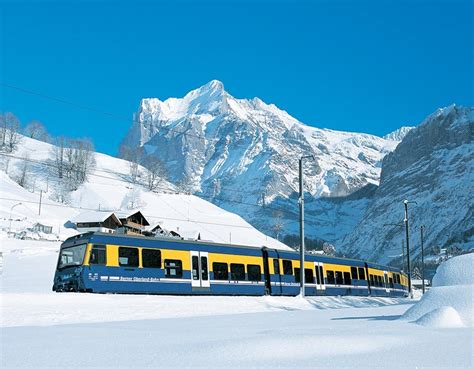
{"points": [[41, 196], [405, 203], [403, 254], [422, 229], [301, 201]]}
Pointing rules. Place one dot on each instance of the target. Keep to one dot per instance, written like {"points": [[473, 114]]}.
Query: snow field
{"points": [[43, 329], [449, 303]]}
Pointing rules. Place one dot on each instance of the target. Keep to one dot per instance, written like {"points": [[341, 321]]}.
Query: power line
{"points": [[88, 108], [113, 210], [105, 113], [165, 189]]}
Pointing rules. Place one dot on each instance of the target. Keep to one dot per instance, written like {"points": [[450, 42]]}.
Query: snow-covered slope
{"points": [[242, 153], [398, 134], [107, 189], [434, 166], [450, 302]]}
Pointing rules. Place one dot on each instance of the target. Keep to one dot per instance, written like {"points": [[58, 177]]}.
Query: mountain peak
{"points": [[398, 134], [214, 85]]}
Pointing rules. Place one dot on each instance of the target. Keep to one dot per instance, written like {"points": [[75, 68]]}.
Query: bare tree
{"points": [[24, 171], [185, 185], [155, 173], [72, 161], [133, 156], [277, 222], [9, 128], [217, 188], [36, 130], [57, 154], [3, 131]]}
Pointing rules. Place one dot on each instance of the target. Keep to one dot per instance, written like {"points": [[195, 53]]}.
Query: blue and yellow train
{"points": [[104, 263]]}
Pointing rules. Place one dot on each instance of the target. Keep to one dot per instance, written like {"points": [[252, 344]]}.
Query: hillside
{"points": [[107, 188], [433, 166]]}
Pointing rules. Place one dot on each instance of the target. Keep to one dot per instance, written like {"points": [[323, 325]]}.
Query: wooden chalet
{"points": [[132, 222], [97, 221]]}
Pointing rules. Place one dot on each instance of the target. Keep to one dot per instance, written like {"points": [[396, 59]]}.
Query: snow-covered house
{"points": [[133, 222], [38, 227], [155, 229], [97, 221]]}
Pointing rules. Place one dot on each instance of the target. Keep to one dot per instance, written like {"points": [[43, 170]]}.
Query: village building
{"points": [[154, 230], [97, 221], [38, 227], [132, 222]]}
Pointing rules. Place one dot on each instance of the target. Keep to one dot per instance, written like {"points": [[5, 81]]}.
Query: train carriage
{"points": [[104, 263]]}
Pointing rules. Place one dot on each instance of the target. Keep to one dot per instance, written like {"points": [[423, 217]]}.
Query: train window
{"points": [[321, 270], [98, 255], [128, 257], [276, 266], [173, 268], [330, 277], [379, 280], [195, 264], [253, 272], [287, 267], [354, 273], [71, 256], [204, 273], [391, 282], [297, 275], [237, 272], [318, 279], [151, 258], [372, 282], [362, 274], [221, 271], [347, 278], [339, 278], [397, 278], [308, 276]]}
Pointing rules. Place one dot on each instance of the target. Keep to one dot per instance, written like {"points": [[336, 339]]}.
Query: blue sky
{"points": [[367, 66]]}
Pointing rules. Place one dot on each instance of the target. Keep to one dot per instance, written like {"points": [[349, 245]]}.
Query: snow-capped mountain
{"points": [[434, 166], [243, 154], [398, 134]]}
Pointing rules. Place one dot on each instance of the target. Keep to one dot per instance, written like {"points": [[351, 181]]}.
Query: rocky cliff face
{"points": [[243, 155], [434, 166]]}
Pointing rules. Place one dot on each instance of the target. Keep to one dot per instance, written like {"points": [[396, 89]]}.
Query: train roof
{"points": [[222, 246]]}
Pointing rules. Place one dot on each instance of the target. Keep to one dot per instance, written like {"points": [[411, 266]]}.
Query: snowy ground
{"points": [[44, 329]]}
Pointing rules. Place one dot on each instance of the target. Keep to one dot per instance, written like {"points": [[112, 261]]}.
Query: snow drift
{"points": [[449, 304]]}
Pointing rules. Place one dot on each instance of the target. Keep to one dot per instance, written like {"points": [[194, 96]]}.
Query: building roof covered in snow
{"points": [[95, 217]]}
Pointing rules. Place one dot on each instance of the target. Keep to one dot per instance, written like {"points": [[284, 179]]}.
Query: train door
{"points": [[266, 273], [200, 269], [387, 286], [319, 269]]}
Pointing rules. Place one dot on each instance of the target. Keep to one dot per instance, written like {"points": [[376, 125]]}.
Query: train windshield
{"points": [[72, 256]]}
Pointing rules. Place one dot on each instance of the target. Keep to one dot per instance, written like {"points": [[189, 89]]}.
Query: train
{"points": [[109, 263]]}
